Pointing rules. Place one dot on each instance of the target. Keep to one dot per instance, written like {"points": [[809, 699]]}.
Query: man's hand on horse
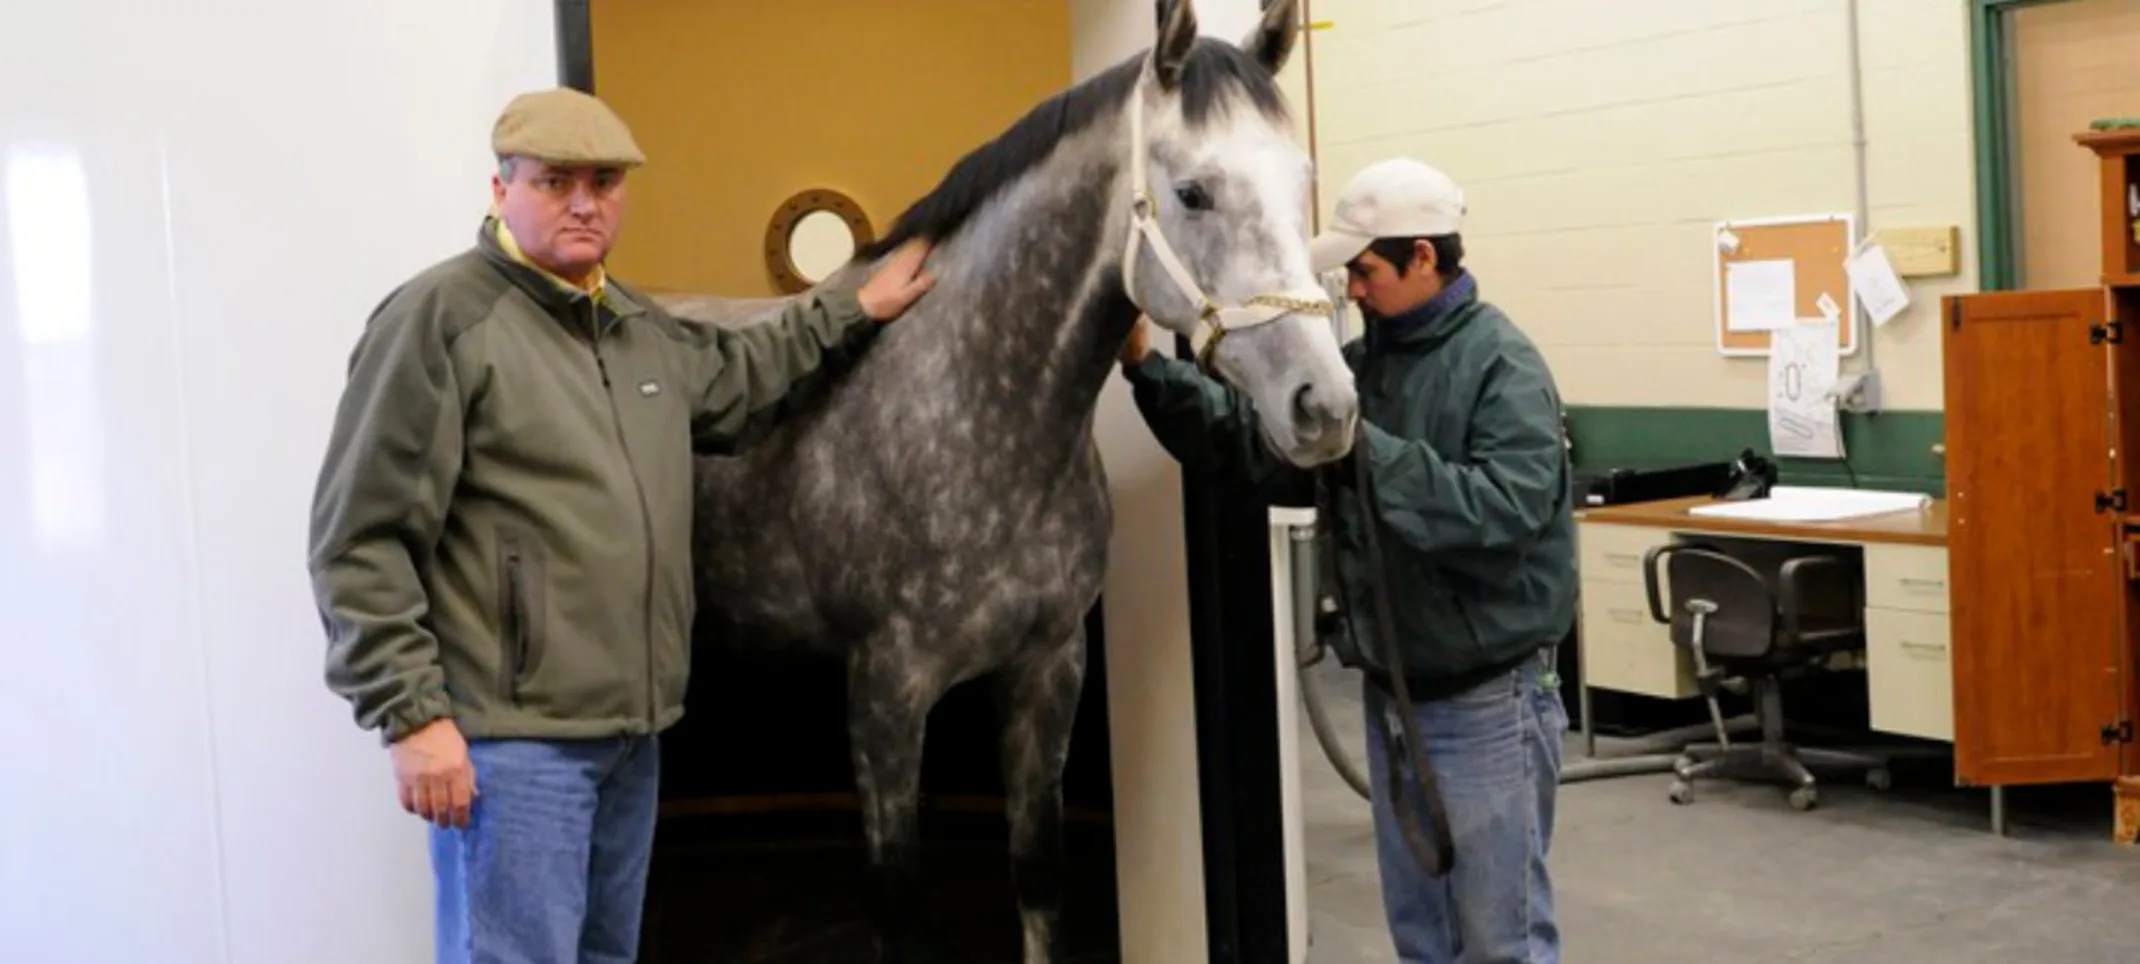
{"points": [[899, 283], [1139, 343]]}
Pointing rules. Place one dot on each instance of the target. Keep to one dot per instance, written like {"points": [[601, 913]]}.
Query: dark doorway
{"points": [[760, 855]]}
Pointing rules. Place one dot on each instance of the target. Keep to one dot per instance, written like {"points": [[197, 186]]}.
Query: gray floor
{"points": [[1909, 874]]}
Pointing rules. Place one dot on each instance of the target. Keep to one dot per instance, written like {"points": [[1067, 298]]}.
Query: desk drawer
{"points": [[1613, 553], [1909, 673], [1626, 651], [1912, 578]]}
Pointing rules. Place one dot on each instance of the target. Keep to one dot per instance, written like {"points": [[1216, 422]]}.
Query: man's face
{"points": [[1374, 283], [564, 217]]}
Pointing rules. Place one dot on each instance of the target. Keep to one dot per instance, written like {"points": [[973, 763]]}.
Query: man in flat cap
{"points": [[501, 533]]}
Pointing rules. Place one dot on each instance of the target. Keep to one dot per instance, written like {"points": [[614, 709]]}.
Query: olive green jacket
{"points": [[501, 530]]}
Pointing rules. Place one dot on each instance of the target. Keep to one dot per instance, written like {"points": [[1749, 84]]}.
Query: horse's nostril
{"points": [[1304, 406]]}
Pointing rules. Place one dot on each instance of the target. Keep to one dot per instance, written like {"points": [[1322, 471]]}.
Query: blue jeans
{"points": [[1496, 751], [552, 866]]}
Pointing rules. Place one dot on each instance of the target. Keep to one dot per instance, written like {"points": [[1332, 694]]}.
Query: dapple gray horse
{"points": [[941, 515]]}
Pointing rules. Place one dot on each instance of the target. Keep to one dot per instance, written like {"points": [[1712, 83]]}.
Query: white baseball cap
{"points": [[1396, 198]]}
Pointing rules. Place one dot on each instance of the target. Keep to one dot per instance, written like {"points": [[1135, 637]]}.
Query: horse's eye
{"points": [[1193, 197]]}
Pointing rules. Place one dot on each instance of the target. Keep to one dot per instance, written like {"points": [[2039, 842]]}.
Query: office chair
{"points": [[1747, 631]]}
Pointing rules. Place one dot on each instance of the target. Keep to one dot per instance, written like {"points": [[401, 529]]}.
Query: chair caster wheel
{"points": [[1804, 798], [1681, 792], [1682, 765], [1879, 779]]}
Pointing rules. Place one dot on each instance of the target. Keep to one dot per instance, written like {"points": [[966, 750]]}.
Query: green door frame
{"points": [[1998, 260]]}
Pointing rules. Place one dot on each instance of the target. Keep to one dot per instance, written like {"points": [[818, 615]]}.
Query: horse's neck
{"points": [[1039, 308]]}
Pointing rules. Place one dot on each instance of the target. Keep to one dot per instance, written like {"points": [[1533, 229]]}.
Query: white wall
{"points": [[199, 203], [1152, 723], [1599, 141]]}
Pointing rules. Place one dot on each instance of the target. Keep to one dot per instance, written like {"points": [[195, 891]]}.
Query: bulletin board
{"points": [[1815, 247]]}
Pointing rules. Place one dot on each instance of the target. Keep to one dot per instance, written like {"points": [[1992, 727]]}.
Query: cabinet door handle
{"points": [[1627, 615], [1922, 582], [1940, 648], [1623, 558]]}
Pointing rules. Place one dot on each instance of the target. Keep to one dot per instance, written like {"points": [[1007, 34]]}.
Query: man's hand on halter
{"points": [[1139, 343], [899, 283], [432, 770]]}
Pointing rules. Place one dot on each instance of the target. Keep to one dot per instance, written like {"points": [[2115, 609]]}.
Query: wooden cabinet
{"points": [[2033, 536], [2118, 158], [2043, 420]]}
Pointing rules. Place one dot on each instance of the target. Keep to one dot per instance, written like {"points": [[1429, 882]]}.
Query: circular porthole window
{"points": [[812, 235]]}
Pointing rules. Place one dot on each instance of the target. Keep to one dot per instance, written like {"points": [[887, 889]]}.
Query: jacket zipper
{"points": [[517, 620], [646, 515]]}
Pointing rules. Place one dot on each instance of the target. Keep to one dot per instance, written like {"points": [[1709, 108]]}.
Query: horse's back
{"points": [[870, 510]]}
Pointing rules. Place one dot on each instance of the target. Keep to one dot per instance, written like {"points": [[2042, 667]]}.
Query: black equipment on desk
{"points": [[1751, 478], [1624, 484]]}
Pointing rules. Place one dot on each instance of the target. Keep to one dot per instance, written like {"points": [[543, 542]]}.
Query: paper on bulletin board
{"points": [[1802, 370], [1760, 295], [1874, 281]]}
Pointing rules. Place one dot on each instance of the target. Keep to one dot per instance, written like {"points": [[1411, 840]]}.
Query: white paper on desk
{"points": [[1802, 372], [1760, 295], [1879, 289], [1800, 503]]}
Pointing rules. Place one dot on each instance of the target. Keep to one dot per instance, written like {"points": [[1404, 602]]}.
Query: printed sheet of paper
{"points": [[1760, 295], [1802, 370], [1877, 286]]}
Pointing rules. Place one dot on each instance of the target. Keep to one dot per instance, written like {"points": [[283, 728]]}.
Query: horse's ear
{"points": [[1177, 35], [1271, 42]]}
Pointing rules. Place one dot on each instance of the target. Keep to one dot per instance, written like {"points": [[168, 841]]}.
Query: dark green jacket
{"points": [[1469, 467], [501, 530]]}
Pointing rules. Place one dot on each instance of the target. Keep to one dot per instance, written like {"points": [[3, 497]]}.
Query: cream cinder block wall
{"points": [[1599, 142]]}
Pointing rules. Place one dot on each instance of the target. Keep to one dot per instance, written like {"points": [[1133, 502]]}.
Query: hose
{"points": [[1308, 651]]}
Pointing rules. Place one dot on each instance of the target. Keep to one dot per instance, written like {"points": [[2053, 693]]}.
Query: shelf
{"points": [[2118, 156]]}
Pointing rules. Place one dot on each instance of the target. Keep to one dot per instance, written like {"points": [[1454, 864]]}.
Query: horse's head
{"points": [[1218, 235]]}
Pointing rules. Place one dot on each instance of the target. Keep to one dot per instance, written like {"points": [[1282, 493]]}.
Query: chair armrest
{"points": [[1797, 576], [1650, 560]]}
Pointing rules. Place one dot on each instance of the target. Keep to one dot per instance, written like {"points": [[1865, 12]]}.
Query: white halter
{"points": [[1255, 310]]}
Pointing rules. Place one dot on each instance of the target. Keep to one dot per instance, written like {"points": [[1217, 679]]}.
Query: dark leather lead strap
{"points": [[1439, 854]]}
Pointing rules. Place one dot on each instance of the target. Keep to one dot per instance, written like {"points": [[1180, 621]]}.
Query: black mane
{"points": [[1214, 70]]}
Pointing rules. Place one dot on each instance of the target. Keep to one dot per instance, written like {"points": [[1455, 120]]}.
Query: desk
{"points": [[1908, 667]]}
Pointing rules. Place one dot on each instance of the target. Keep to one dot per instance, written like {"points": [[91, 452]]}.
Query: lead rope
{"points": [[1439, 854]]}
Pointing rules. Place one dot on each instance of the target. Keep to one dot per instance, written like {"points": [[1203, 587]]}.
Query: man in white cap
{"points": [[1469, 468], [500, 543]]}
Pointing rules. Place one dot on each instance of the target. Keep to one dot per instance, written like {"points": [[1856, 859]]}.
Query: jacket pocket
{"points": [[520, 608]]}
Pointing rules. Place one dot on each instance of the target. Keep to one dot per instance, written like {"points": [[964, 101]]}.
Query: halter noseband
{"points": [[1221, 319]]}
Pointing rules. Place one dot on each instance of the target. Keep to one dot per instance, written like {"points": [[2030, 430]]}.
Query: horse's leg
{"points": [[888, 712], [1038, 696]]}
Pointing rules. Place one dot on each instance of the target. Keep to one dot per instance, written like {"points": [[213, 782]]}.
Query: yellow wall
{"points": [[1599, 141], [740, 105]]}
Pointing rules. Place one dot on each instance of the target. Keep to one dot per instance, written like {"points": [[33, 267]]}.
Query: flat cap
{"points": [[564, 126]]}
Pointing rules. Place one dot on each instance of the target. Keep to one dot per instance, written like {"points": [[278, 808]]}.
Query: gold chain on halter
{"points": [[1320, 308]]}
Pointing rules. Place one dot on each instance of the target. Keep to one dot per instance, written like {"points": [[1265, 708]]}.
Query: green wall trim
{"points": [[1889, 450]]}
